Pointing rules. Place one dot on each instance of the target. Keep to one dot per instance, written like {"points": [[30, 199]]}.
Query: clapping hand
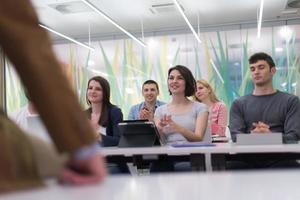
{"points": [[168, 125], [145, 113], [86, 171], [261, 127]]}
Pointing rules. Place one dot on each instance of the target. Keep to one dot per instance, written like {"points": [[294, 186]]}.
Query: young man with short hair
{"points": [[267, 109], [146, 109]]}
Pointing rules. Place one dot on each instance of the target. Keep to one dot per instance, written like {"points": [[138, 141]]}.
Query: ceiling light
{"points": [[70, 7], [286, 33], [278, 49], [289, 11], [67, 37], [163, 8], [91, 63], [187, 21], [105, 16], [152, 44], [260, 18]]}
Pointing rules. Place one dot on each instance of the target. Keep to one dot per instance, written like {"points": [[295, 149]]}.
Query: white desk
{"points": [[228, 148], [259, 185], [220, 148]]}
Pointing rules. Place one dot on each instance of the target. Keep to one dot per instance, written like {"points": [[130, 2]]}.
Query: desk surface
{"points": [[259, 185], [227, 148]]}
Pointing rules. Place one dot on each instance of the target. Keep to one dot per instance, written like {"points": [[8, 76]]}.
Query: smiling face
{"points": [[150, 92], [202, 92], [176, 83], [262, 73], [95, 92]]}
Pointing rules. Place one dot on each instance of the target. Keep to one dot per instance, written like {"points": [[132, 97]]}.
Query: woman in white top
{"points": [[181, 119]]}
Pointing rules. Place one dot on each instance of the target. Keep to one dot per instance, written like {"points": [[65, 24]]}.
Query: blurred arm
{"points": [[28, 47]]}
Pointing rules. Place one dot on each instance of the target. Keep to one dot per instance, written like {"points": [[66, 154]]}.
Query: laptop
{"points": [[139, 133], [259, 138]]}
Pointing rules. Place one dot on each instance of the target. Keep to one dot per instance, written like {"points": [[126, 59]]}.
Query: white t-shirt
{"points": [[187, 120], [30, 123]]}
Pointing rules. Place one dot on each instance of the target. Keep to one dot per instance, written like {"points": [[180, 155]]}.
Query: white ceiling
{"points": [[131, 13]]}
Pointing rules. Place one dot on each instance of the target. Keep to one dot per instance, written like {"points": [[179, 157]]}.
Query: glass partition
{"points": [[222, 59]]}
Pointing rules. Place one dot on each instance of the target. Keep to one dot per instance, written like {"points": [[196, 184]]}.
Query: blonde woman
{"points": [[217, 109]]}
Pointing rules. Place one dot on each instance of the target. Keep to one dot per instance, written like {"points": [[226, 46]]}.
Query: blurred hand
{"points": [[164, 121], [96, 127], [86, 171], [169, 125], [145, 113], [261, 127]]}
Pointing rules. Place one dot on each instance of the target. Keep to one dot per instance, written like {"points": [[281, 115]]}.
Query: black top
{"points": [[112, 136]]}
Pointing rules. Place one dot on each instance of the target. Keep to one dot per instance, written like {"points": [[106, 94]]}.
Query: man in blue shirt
{"points": [[146, 109]]}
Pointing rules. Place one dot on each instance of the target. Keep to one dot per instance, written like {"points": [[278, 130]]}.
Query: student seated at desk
{"points": [[182, 120], [146, 109], [267, 109], [217, 109], [104, 116]]}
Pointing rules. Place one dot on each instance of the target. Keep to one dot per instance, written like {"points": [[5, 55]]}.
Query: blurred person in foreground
{"points": [[53, 98]]}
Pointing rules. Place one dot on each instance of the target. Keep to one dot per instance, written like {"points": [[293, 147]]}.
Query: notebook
{"points": [[193, 144]]}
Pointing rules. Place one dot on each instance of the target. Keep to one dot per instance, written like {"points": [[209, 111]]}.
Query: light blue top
{"points": [[187, 119], [135, 110]]}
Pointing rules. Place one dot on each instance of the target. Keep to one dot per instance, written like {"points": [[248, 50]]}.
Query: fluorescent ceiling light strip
{"points": [[113, 22], [66, 37], [217, 71], [187, 21], [260, 18]]}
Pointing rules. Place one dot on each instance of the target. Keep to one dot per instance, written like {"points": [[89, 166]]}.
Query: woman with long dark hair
{"points": [[104, 116]]}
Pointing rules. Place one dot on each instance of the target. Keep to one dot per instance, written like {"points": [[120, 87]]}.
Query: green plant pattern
{"points": [[131, 60]]}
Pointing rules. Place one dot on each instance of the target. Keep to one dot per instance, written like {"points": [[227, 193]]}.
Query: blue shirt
{"points": [[135, 110]]}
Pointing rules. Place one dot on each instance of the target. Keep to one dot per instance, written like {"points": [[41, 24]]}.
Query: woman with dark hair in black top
{"points": [[103, 114]]}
